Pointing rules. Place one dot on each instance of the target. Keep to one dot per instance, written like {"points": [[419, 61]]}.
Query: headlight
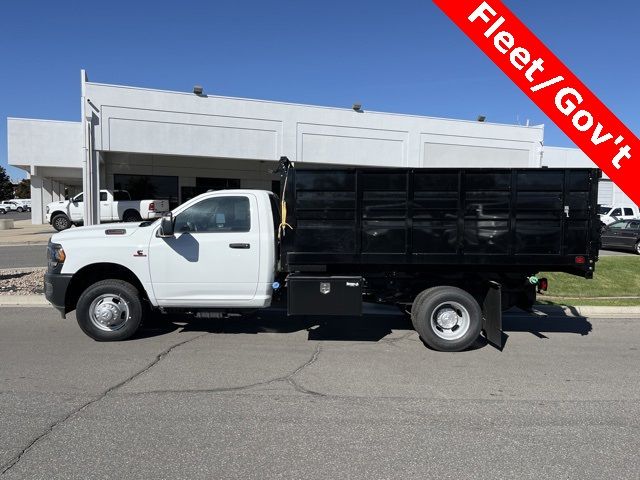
{"points": [[55, 254], [47, 209]]}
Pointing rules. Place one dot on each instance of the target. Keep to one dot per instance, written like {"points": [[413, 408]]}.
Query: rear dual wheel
{"points": [[447, 318]]}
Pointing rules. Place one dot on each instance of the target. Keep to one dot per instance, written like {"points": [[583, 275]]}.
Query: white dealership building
{"points": [[175, 145]]}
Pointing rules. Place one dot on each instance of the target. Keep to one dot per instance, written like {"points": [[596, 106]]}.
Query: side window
{"points": [[618, 225], [628, 211], [616, 213], [217, 214], [634, 225], [121, 195], [103, 196]]}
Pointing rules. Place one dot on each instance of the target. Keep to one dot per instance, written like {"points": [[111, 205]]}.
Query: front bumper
{"points": [[48, 217], [55, 290]]}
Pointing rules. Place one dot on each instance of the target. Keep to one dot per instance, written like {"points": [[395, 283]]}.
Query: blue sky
{"points": [[403, 56]]}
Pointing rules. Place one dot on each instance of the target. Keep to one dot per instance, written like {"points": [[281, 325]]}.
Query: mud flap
{"points": [[492, 315]]}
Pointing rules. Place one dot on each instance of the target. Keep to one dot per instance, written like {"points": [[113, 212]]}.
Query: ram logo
{"points": [[325, 287], [353, 284]]}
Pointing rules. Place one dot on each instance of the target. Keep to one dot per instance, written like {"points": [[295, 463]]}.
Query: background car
{"points": [[8, 206], [622, 235]]}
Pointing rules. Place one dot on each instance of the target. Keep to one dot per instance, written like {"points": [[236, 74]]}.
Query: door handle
{"points": [[239, 245]]}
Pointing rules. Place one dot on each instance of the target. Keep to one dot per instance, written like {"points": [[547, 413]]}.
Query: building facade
{"points": [[175, 145]]}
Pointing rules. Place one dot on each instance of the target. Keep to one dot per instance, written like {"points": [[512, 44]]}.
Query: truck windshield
{"points": [[603, 210]]}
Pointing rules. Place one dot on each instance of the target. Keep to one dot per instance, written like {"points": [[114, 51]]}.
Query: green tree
{"points": [[6, 188], [23, 189]]}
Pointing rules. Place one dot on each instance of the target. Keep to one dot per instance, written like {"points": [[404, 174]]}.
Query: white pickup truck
{"points": [[613, 213], [114, 206]]}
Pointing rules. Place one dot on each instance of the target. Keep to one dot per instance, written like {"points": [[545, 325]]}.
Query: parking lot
{"points": [[271, 397], [16, 215]]}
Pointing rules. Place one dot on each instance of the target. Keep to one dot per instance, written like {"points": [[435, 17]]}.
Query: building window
{"points": [[204, 184], [149, 187]]}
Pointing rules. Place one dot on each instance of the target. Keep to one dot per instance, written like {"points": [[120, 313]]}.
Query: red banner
{"points": [[552, 87]]}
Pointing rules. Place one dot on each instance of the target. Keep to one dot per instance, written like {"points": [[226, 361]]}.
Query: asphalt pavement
{"points": [[20, 256], [16, 215], [272, 397]]}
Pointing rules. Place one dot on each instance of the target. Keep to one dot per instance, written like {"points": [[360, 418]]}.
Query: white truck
{"points": [[338, 238], [613, 213], [114, 206], [16, 205]]}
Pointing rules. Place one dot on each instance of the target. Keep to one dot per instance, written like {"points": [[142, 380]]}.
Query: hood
{"points": [[98, 231], [58, 204]]}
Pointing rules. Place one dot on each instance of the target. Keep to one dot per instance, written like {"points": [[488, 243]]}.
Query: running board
{"points": [[492, 315]]}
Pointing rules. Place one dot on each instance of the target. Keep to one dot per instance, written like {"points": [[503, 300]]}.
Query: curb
{"points": [[23, 301], [586, 311]]}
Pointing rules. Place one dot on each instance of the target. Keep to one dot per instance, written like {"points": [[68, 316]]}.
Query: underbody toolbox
{"points": [[324, 295]]}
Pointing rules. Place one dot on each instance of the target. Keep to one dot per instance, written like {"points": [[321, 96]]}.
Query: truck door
{"points": [[106, 214], [611, 236], [213, 258], [76, 208], [629, 236]]}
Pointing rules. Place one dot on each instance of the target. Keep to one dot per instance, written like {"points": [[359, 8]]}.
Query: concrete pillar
{"points": [[37, 205], [90, 158], [55, 191], [91, 177]]}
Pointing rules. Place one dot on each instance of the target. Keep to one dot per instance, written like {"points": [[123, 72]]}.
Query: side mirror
{"points": [[166, 225]]}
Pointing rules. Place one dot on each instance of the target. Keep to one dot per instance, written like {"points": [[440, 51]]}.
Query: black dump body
{"points": [[423, 220]]}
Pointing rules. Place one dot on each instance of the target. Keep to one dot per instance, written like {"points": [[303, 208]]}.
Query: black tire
{"points": [[19, 210], [131, 216], [61, 222], [3, 212], [469, 318], [112, 290]]}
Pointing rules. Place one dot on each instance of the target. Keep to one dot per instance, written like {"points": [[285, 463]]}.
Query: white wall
{"points": [[173, 123], [44, 143]]}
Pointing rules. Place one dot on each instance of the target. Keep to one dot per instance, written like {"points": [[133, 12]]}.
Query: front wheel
{"points": [[61, 222], [110, 310], [19, 210], [447, 318]]}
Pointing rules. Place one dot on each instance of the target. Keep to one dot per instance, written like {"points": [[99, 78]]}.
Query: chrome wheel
{"points": [[109, 312], [450, 320], [638, 248]]}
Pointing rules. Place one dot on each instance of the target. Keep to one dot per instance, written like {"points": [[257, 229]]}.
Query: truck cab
{"points": [[220, 253], [613, 213]]}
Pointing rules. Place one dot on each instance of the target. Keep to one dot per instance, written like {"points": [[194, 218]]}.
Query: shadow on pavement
{"points": [[377, 322]]}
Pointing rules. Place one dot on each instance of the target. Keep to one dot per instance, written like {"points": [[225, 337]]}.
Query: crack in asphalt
{"points": [[288, 378], [16, 459]]}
